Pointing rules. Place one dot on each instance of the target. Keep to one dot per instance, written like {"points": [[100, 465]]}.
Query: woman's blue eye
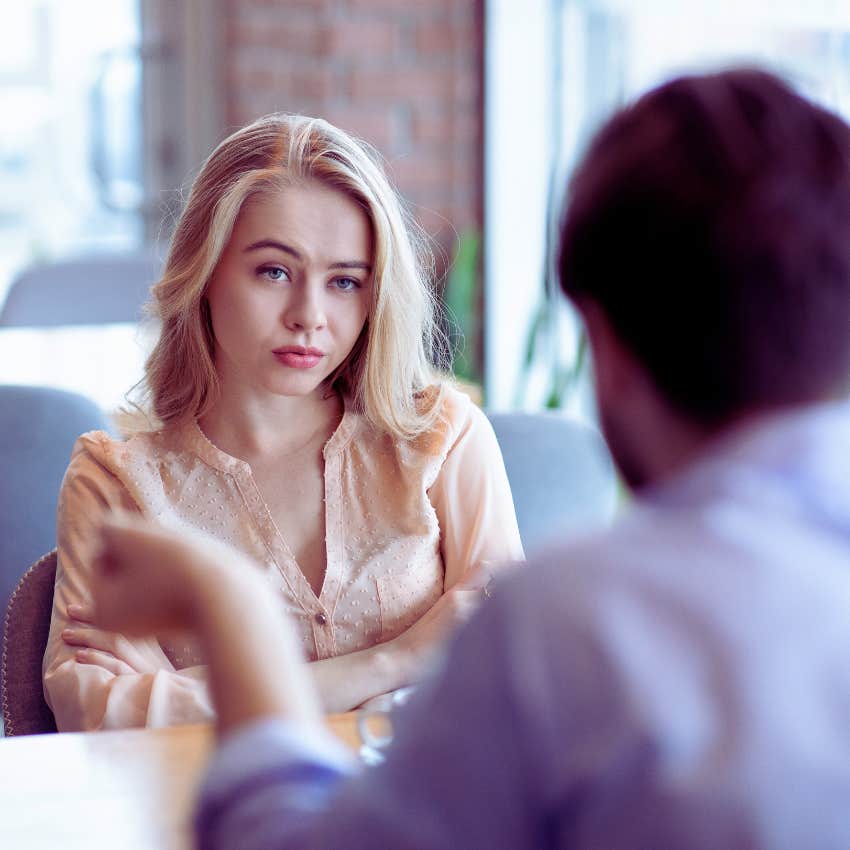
{"points": [[273, 272], [346, 284]]}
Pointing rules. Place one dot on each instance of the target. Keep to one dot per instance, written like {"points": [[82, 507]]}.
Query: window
{"points": [[555, 70], [70, 162], [100, 127]]}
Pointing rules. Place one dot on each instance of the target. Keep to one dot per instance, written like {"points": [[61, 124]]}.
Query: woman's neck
{"points": [[273, 427]]}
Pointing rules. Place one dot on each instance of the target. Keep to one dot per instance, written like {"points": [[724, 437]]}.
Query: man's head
{"points": [[709, 227]]}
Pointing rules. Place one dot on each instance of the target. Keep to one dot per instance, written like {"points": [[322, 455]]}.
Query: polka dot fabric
{"points": [[404, 522]]}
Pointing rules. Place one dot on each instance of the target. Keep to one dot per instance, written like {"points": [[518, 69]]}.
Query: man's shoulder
{"points": [[693, 574], [649, 563], [641, 541]]}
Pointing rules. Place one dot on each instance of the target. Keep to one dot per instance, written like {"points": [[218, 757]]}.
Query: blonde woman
{"points": [[299, 420]]}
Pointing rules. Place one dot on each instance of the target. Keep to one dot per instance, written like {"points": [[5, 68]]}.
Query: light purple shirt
{"points": [[680, 682]]}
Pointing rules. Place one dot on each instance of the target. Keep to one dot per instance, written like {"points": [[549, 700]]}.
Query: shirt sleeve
{"points": [[88, 696], [472, 499], [267, 784], [457, 774]]}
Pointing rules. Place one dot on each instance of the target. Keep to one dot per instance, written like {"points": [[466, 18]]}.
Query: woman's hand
{"points": [[451, 610], [110, 650]]}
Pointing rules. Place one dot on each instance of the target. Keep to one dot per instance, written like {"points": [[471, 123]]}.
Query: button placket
{"points": [[323, 637]]}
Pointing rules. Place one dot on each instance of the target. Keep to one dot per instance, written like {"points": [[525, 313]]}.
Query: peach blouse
{"points": [[404, 520]]}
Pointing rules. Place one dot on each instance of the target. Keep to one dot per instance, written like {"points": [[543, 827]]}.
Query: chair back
{"points": [[88, 290], [38, 427], [561, 474], [25, 631]]}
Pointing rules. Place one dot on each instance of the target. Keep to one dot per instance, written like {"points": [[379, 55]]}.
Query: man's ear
{"points": [[615, 369]]}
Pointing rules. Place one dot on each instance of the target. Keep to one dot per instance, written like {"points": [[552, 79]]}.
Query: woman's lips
{"points": [[297, 357]]}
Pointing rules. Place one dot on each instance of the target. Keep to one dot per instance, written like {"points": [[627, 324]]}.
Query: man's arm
{"points": [[456, 775]]}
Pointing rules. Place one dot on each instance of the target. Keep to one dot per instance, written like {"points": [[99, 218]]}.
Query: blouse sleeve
{"points": [[87, 696], [472, 498]]}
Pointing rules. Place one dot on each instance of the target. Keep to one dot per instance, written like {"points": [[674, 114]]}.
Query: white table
{"points": [[123, 790]]}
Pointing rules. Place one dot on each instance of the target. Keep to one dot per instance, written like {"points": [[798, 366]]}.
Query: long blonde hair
{"points": [[390, 366]]}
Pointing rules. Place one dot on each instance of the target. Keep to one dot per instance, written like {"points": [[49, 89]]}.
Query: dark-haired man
{"points": [[682, 681]]}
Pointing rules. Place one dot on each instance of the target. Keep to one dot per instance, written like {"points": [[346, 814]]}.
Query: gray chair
{"points": [[561, 474], [25, 630], [38, 427], [90, 290]]}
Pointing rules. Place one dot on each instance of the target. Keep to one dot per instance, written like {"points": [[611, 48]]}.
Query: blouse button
{"points": [[321, 619]]}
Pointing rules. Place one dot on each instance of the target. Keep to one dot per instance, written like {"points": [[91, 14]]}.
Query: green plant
{"points": [[547, 350], [461, 298]]}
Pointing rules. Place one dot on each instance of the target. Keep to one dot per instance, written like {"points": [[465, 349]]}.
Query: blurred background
{"points": [[107, 108]]}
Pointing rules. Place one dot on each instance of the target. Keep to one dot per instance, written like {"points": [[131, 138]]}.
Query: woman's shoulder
{"points": [[454, 413], [114, 452]]}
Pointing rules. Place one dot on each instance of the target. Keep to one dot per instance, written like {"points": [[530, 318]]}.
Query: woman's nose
{"points": [[304, 310]]}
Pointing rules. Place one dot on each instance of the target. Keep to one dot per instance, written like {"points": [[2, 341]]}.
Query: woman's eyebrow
{"points": [[273, 243], [288, 249], [351, 264]]}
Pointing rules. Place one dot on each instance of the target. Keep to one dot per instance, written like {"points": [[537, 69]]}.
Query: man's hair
{"points": [[710, 221]]}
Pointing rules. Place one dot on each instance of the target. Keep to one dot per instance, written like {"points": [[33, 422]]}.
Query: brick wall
{"points": [[403, 74]]}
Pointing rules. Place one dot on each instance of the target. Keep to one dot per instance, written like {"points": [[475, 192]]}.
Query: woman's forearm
{"points": [[346, 681], [256, 668]]}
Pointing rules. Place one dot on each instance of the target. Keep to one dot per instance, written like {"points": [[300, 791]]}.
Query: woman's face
{"points": [[291, 292]]}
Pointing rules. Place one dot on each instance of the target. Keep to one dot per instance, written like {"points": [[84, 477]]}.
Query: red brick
{"points": [[282, 62], [436, 37], [317, 84], [446, 37], [432, 125], [467, 86], [280, 7], [403, 74], [246, 109], [403, 84], [469, 13], [401, 8], [361, 38], [436, 126], [254, 79], [437, 222], [293, 35], [373, 125], [271, 85], [419, 172]]}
